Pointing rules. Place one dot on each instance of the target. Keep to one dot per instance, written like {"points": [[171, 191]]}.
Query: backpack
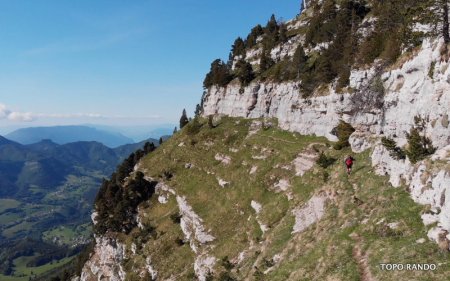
{"points": [[349, 161]]}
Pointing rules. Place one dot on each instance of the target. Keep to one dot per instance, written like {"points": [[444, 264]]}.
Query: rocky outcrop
{"points": [[195, 233], [427, 181], [310, 213], [315, 116], [105, 261]]}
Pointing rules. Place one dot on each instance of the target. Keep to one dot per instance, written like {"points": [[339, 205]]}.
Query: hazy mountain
{"points": [[46, 164], [68, 134], [138, 133], [124, 150]]}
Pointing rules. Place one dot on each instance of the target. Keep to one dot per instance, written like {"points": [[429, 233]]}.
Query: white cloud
{"points": [[76, 115], [21, 116], [5, 113], [16, 116], [94, 116]]}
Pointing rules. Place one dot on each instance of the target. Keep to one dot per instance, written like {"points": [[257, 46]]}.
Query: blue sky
{"points": [[116, 62]]}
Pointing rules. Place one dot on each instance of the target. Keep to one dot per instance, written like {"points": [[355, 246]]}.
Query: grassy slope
{"points": [[323, 252]]}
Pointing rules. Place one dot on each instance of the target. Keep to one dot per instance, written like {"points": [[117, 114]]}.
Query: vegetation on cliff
{"points": [[339, 35]]}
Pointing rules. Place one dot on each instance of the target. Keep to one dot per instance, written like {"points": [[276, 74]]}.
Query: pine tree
{"points": [[149, 147], [238, 48], [183, 120], [160, 140], [271, 34], [283, 34], [445, 24], [175, 130], [253, 36], [265, 62], [272, 25], [436, 13], [198, 110], [244, 72], [299, 61], [394, 151], [219, 75], [419, 146]]}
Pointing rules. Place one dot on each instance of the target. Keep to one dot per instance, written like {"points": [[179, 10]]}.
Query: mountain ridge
{"points": [[68, 134]]}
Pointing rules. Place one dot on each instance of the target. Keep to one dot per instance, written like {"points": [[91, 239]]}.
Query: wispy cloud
{"points": [[5, 113], [17, 116], [93, 116]]}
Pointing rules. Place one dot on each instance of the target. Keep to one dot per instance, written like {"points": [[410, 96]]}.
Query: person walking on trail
{"points": [[349, 163]]}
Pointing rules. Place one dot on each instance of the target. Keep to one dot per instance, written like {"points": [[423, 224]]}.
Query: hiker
{"points": [[349, 163]]}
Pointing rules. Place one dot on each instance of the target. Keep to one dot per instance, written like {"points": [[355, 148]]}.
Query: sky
{"points": [[111, 62]]}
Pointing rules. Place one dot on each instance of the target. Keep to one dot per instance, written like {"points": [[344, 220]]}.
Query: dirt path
{"points": [[362, 260]]}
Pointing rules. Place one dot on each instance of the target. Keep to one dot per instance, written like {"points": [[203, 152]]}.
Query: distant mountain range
{"points": [[138, 133], [68, 134], [47, 164]]}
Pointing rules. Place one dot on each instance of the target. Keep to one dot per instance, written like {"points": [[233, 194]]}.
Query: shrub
{"points": [[419, 146], [431, 70], [167, 174], [325, 176], [225, 262], [394, 151], [325, 161], [179, 242], [175, 218], [193, 127], [343, 132], [377, 86], [226, 276], [210, 122]]}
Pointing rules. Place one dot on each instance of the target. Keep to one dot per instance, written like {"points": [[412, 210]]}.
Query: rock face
{"points": [[194, 232], [409, 91], [283, 101], [105, 262]]}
